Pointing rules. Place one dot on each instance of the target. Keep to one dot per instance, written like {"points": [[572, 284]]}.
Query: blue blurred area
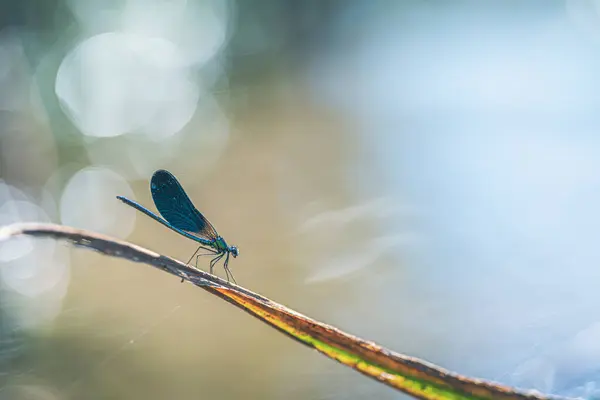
{"points": [[420, 173], [484, 120]]}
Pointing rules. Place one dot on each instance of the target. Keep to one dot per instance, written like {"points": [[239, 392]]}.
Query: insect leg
{"points": [[202, 255], [227, 270], [196, 252], [198, 249], [214, 261], [225, 266]]}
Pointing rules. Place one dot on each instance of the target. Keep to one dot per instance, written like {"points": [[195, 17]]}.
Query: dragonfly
{"points": [[181, 216]]}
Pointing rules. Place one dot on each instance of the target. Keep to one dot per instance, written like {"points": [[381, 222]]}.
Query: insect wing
{"points": [[176, 207]]}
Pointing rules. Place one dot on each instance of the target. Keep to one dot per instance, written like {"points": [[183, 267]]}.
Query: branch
{"points": [[407, 374]]}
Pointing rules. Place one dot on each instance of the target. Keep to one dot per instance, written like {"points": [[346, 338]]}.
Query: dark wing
{"points": [[176, 207]]}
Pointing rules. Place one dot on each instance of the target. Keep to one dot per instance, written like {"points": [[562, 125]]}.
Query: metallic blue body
{"points": [[181, 216]]}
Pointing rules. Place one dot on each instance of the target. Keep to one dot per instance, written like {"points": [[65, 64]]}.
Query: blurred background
{"points": [[423, 173]]}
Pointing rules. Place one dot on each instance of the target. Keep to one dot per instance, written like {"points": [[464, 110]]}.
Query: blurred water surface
{"points": [[420, 173]]}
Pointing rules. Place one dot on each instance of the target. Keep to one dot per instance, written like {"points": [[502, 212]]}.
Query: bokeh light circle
{"points": [[115, 83], [88, 201]]}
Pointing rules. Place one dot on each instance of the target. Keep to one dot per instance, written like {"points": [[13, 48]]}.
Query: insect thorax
{"points": [[220, 244]]}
